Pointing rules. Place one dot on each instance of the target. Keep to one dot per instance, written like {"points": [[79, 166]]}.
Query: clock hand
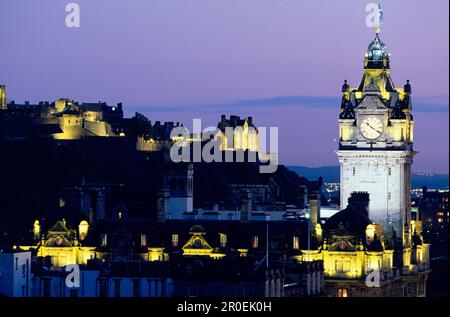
{"points": [[373, 128]]}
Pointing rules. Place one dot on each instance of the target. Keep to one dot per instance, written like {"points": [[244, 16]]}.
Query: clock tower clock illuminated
{"points": [[376, 142]]}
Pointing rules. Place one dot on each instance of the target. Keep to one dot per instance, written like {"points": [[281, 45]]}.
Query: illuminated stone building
{"points": [[374, 237], [15, 273], [242, 133], [179, 258], [433, 209], [73, 120], [62, 245], [88, 119], [3, 103], [355, 250], [376, 142]]}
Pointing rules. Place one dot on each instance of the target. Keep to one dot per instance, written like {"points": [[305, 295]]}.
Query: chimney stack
{"points": [[360, 201], [314, 208]]}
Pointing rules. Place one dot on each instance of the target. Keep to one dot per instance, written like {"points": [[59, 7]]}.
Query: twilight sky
{"points": [[280, 61]]}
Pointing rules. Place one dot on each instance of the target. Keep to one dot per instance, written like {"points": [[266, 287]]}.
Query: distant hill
{"points": [[331, 174]]}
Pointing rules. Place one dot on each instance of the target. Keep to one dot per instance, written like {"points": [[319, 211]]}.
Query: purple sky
{"points": [[180, 59]]}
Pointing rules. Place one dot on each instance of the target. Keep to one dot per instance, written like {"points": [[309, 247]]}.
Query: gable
{"points": [[197, 245]]}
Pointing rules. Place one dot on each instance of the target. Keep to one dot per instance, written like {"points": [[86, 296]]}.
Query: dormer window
{"points": [[174, 240], [223, 240], [295, 243]]}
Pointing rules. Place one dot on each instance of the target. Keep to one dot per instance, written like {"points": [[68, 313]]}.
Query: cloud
{"points": [[292, 100], [420, 104], [430, 104]]}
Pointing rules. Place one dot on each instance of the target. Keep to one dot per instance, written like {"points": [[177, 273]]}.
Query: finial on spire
{"points": [[407, 87], [345, 86]]}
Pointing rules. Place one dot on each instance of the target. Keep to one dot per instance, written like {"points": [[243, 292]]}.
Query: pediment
{"points": [[372, 102], [197, 243], [342, 245], [58, 241]]}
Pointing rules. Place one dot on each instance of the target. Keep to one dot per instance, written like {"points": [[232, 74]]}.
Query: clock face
{"points": [[371, 127]]}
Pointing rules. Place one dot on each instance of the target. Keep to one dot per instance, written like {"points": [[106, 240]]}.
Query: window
{"points": [[16, 259], [197, 243], [192, 291], [223, 240], [347, 265], [151, 288], [174, 240], [104, 239], [389, 195], [339, 266], [173, 184], [354, 171], [254, 242], [411, 289], [143, 240], [343, 265], [103, 288], [295, 243], [136, 288], [24, 270], [46, 287], [117, 288], [182, 184], [390, 171], [342, 292]]}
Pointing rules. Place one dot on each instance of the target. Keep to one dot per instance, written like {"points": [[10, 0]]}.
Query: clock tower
{"points": [[376, 143]]}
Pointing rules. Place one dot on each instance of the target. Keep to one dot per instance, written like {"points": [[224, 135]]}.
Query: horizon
{"points": [[177, 61]]}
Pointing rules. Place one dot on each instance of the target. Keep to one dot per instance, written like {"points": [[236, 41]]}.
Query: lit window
{"points": [[174, 240], [342, 292], [295, 243], [343, 266], [223, 240], [440, 220], [104, 239], [143, 240], [255, 242]]}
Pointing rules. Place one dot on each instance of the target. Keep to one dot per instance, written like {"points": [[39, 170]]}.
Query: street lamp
{"points": [[308, 218]]}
